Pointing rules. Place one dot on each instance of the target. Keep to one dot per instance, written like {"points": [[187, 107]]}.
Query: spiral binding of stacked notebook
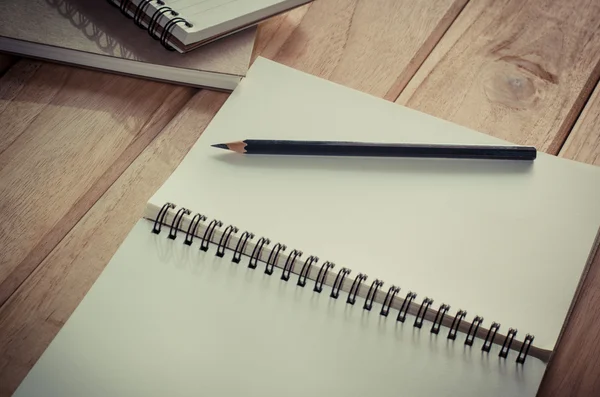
{"points": [[304, 275], [156, 30]]}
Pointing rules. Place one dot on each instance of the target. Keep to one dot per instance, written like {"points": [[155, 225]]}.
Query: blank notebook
{"points": [[94, 35], [269, 276], [184, 25]]}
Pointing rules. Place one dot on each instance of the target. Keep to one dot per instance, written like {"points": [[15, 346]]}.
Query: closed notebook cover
{"points": [[98, 27]]}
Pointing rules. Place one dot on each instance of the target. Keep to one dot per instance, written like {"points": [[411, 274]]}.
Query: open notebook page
{"points": [[507, 241], [165, 319]]}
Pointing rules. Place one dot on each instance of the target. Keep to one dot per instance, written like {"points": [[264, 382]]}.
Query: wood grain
{"points": [[583, 143], [92, 188], [374, 46], [85, 128], [574, 369], [518, 70], [32, 317], [275, 31], [67, 135], [576, 364]]}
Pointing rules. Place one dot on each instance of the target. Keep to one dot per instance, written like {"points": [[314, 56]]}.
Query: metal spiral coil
{"points": [[427, 302], [160, 218], [439, 318], [210, 230], [139, 11], [303, 276], [289, 264], [306, 270], [191, 232], [321, 276], [123, 7], [177, 222], [167, 31], [525, 349], [355, 288], [273, 258], [489, 339], [156, 17], [241, 245], [371, 294], [229, 230], [460, 315], [389, 298], [405, 305], [507, 342], [257, 251], [339, 281], [473, 330]]}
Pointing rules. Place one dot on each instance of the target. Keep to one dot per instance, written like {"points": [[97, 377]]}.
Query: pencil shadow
{"points": [[378, 165]]}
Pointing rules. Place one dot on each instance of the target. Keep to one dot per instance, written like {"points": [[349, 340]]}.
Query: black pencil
{"points": [[365, 149]]}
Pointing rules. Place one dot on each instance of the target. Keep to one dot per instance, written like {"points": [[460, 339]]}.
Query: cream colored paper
{"points": [[504, 240], [164, 319], [213, 18]]}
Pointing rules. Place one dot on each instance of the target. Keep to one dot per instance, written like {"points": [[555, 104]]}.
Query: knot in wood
{"points": [[515, 82]]}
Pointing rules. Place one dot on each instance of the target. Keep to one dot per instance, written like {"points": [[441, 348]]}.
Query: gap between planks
{"points": [[582, 143], [343, 30], [6, 61], [43, 105], [35, 313], [519, 71], [373, 46]]}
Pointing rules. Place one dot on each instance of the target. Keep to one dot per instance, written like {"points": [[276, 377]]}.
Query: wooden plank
{"points": [[374, 46], [500, 72], [275, 31], [574, 369], [518, 70], [67, 134], [6, 61], [32, 316], [575, 366], [583, 143], [334, 39]]}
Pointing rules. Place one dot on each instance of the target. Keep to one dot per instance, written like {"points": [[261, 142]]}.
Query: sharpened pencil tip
{"points": [[220, 146]]}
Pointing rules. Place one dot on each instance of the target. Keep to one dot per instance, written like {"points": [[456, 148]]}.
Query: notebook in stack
{"points": [[187, 24], [95, 34], [281, 275]]}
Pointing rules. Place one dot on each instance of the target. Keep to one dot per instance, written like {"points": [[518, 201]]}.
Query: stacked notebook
{"points": [[271, 276], [103, 35], [187, 24]]}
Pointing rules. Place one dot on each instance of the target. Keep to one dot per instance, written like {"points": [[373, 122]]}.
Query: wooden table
{"points": [[82, 151]]}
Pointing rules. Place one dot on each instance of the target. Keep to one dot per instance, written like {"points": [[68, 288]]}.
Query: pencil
{"points": [[366, 149]]}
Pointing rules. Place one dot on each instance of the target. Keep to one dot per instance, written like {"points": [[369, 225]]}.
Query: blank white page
{"points": [[504, 240], [164, 319]]}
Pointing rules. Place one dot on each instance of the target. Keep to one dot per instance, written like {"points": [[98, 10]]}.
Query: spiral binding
{"points": [[303, 276], [339, 281], [405, 305], [389, 298], [289, 264], [162, 10], [439, 318], [371, 294]]}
